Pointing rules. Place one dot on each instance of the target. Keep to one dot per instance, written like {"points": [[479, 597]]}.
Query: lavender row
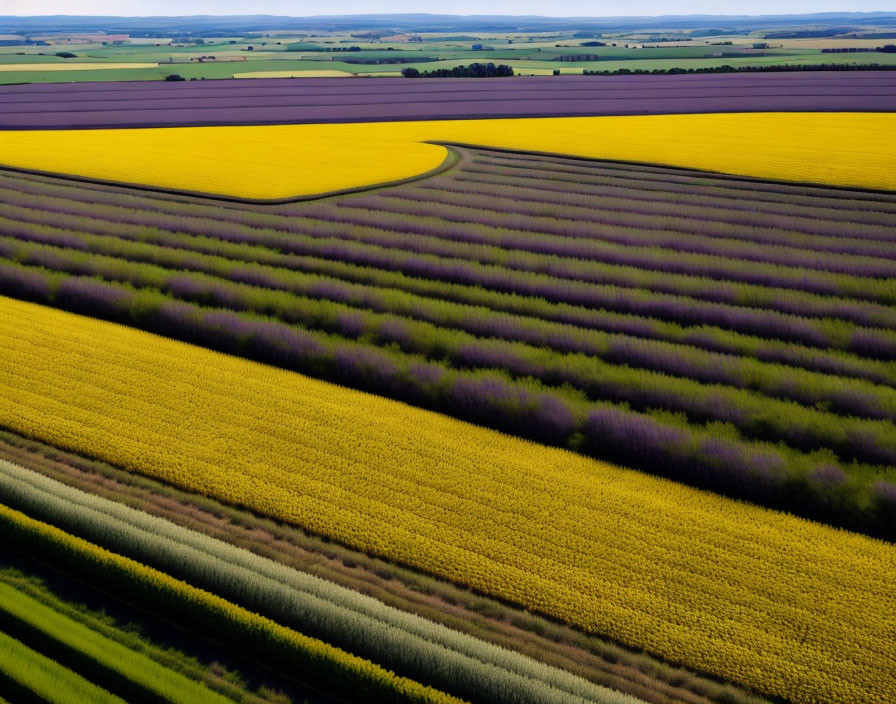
{"points": [[844, 396], [433, 110], [602, 251], [813, 485], [587, 170], [813, 231], [823, 333], [559, 257], [591, 259], [228, 259], [608, 214], [672, 196], [674, 241]]}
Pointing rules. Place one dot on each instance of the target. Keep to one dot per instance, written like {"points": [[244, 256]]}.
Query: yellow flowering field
{"points": [[282, 161], [789, 607]]}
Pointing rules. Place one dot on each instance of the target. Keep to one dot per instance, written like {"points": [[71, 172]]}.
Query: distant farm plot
{"points": [[80, 66], [294, 74], [284, 161], [192, 103]]}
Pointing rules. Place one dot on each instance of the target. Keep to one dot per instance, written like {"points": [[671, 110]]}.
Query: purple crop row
{"points": [[235, 261], [359, 101], [819, 333], [716, 271], [673, 196], [704, 457], [822, 333], [562, 169], [532, 251], [818, 232], [581, 248], [610, 265], [845, 396], [699, 239], [693, 265]]}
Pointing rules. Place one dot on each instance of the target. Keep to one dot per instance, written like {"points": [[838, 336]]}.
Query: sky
{"points": [[555, 8]]}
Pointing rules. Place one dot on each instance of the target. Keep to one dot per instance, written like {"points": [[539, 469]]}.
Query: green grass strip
{"points": [[120, 669], [277, 646], [25, 671]]}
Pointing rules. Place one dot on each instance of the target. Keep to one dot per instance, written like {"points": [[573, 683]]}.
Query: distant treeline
{"points": [[810, 33], [488, 70], [307, 47], [744, 69]]}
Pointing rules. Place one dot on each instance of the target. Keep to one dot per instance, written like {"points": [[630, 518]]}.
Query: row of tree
{"points": [[476, 70]]}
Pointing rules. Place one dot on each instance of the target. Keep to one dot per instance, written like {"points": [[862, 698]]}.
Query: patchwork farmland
{"points": [[526, 391]]}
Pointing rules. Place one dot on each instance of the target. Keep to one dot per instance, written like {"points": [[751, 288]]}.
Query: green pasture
{"points": [[537, 53]]}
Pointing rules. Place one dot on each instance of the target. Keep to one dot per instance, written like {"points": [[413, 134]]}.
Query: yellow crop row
{"points": [[789, 607], [280, 161]]}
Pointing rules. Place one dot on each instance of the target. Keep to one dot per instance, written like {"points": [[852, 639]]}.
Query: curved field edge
{"points": [[403, 642], [452, 157], [784, 606], [275, 162], [346, 672], [595, 659]]}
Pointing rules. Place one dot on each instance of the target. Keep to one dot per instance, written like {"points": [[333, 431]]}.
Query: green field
{"points": [[527, 53]]}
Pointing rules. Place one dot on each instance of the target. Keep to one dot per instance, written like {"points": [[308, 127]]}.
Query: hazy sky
{"points": [[556, 8]]}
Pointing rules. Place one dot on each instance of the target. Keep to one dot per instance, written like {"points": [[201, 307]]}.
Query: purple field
{"points": [[272, 101]]}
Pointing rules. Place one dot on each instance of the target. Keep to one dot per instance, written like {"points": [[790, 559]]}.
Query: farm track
{"points": [[261, 101], [587, 299]]}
